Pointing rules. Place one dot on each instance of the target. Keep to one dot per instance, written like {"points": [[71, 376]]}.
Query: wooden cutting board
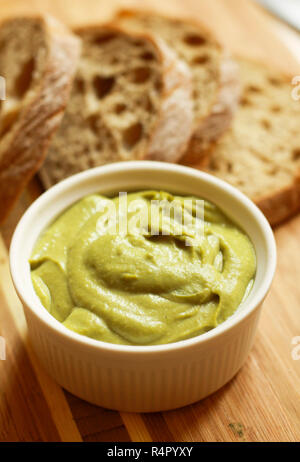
{"points": [[262, 403]]}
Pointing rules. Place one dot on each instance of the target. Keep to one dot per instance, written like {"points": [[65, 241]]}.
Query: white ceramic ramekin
{"points": [[142, 378]]}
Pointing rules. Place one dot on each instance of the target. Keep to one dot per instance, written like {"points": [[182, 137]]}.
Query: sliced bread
{"points": [[131, 99], [215, 79], [38, 59], [260, 155]]}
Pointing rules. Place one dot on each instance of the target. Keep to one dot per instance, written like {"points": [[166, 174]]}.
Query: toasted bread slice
{"points": [[214, 73], [38, 58], [260, 155], [131, 99]]}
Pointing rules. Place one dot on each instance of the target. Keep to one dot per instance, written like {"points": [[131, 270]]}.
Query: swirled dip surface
{"points": [[154, 281]]}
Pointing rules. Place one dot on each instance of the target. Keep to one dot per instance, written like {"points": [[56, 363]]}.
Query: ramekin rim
{"points": [[255, 298]]}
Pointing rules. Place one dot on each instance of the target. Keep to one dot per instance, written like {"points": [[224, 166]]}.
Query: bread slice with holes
{"points": [[260, 155], [214, 74], [38, 58], [131, 99]]}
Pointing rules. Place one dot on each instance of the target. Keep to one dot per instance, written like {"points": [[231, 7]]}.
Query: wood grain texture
{"points": [[262, 403]]}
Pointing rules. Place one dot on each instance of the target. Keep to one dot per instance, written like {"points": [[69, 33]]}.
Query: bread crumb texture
{"points": [[260, 154], [214, 74], [131, 99]]}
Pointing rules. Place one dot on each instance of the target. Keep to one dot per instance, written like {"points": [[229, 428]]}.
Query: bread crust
{"points": [[277, 207], [281, 205], [23, 148], [174, 126], [211, 127], [208, 131]]}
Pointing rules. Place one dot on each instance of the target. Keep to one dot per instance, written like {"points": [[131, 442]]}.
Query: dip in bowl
{"points": [[149, 363], [143, 268]]}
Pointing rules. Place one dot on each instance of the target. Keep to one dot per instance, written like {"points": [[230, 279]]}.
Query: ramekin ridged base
{"points": [[146, 384]]}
